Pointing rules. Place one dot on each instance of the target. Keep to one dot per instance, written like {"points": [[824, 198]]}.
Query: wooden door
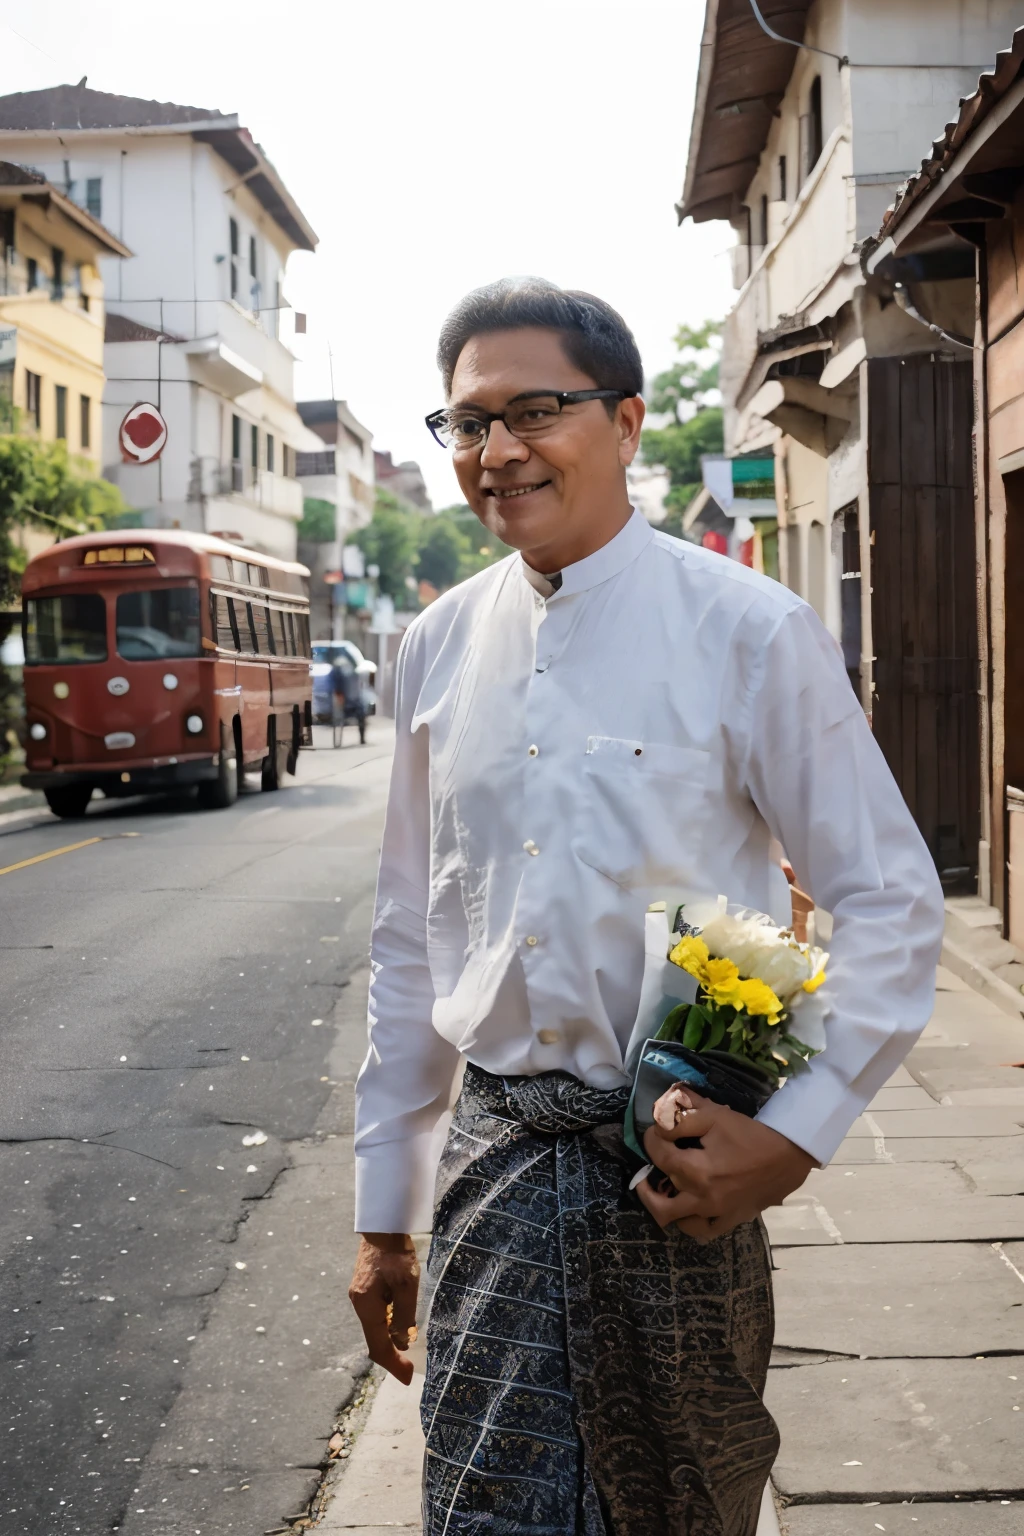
{"points": [[923, 603]]}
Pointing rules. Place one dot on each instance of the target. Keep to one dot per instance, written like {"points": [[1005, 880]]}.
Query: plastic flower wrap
{"points": [[758, 989]]}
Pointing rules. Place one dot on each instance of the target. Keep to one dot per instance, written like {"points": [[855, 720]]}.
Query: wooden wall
{"points": [[923, 604]]}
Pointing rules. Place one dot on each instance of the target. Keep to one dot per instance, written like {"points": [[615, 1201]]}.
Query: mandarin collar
{"points": [[630, 541]]}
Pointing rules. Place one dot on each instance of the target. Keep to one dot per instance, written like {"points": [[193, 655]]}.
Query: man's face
{"points": [[546, 492]]}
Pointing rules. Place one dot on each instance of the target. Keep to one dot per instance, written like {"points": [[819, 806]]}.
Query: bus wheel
{"points": [[275, 764], [69, 800], [217, 794]]}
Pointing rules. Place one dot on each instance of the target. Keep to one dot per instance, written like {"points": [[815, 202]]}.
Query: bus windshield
{"points": [[158, 625], [69, 628]]}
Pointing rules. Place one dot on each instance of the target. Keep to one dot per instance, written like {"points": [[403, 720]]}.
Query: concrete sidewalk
{"points": [[898, 1374]]}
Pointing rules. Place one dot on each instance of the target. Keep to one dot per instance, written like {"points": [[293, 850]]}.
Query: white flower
{"points": [[758, 948]]}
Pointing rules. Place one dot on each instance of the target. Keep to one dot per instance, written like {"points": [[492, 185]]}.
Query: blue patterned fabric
{"points": [[587, 1373]]}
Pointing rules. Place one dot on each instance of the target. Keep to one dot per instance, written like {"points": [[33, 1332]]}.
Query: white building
{"points": [[339, 471], [801, 149], [197, 321]]}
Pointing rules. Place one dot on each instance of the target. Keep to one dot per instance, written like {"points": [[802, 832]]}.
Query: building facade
{"points": [[51, 320], [197, 320], [340, 472], [963, 213], [801, 148]]}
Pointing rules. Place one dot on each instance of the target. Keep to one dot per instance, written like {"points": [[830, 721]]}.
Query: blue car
{"points": [[325, 654]]}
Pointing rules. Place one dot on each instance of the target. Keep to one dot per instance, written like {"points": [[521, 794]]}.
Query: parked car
{"points": [[325, 654]]}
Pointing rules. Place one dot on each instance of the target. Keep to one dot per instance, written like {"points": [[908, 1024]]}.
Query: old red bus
{"points": [[155, 659]]}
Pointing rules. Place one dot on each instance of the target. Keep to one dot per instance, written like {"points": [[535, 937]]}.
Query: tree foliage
{"points": [[318, 524], [441, 548], [684, 392]]}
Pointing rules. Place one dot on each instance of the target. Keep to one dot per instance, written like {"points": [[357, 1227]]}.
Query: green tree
{"points": [[318, 524], [682, 392], [444, 550], [391, 542]]}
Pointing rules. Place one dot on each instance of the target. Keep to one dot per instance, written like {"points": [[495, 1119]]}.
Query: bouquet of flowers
{"points": [[753, 1015]]}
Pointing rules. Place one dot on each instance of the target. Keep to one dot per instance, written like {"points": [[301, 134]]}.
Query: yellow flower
{"points": [[759, 1000], [815, 982], [722, 983], [691, 954]]}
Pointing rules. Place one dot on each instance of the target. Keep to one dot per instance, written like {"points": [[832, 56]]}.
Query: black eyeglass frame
{"points": [[436, 420]]}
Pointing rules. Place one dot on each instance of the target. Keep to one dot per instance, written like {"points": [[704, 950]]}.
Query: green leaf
{"points": [[717, 1034], [694, 1031], [674, 1022]]}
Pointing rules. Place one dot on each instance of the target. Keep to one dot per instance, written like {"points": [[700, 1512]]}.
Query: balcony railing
{"points": [[260, 487]]}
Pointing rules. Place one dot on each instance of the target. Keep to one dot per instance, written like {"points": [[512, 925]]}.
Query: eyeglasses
{"points": [[528, 415]]}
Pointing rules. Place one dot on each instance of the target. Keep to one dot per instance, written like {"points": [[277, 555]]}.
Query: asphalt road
{"points": [[169, 991]]}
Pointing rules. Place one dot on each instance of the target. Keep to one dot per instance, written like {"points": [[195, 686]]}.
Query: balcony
{"points": [[258, 488], [799, 279]]}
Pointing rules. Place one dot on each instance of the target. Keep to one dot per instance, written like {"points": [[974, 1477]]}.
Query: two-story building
{"points": [[198, 322], [341, 472], [809, 114]]}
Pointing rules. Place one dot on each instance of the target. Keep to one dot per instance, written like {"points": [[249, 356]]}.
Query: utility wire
{"points": [[793, 42]]}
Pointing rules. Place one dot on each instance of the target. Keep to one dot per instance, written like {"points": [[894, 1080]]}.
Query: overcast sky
{"points": [[433, 148]]}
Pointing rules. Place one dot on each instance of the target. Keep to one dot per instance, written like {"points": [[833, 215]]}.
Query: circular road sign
{"points": [[143, 434]]}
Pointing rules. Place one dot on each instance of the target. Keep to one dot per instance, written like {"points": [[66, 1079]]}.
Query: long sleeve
{"points": [[820, 781], [405, 1082]]}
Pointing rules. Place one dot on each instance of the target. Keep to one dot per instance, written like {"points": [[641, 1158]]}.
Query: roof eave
{"points": [[704, 74], [46, 191]]}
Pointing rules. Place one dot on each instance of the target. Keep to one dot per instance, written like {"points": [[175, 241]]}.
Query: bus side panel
{"points": [[253, 673]]}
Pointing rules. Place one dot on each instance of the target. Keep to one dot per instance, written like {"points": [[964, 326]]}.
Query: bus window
{"points": [[289, 624], [277, 629], [158, 625], [261, 629], [240, 609], [223, 628], [69, 628], [302, 620]]}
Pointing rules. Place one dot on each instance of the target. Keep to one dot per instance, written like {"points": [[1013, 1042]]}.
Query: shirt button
{"points": [[533, 752], [530, 846], [548, 1036], [532, 940]]}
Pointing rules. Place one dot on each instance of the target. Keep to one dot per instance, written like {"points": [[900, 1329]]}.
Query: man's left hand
{"points": [[740, 1168]]}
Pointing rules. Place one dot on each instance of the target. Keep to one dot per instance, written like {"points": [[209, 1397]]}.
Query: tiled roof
{"points": [[76, 106]]}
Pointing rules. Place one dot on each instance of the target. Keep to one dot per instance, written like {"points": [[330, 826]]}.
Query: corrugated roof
{"points": [[742, 77], [77, 109], [992, 87], [76, 106]]}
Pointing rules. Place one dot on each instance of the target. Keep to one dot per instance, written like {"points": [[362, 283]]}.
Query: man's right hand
{"points": [[387, 1278]]}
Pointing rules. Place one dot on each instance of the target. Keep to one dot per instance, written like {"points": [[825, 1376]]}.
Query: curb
{"points": [[956, 957]]}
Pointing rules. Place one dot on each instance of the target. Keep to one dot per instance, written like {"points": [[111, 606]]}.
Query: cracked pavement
{"points": [[175, 1336]]}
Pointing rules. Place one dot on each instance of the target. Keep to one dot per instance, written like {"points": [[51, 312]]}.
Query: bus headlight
{"points": [[194, 725], [37, 731]]}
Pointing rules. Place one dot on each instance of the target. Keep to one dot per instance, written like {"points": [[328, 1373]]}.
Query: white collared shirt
{"points": [[558, 762]]}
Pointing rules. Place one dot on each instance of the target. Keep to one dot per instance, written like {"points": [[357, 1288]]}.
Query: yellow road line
{"points": [[54, 853]]}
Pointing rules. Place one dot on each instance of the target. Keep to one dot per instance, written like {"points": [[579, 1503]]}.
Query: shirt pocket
{"points": [[642, 812]]}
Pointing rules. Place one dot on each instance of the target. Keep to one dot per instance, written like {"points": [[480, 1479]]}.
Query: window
{"points": [[243, 626], [302, 625], [261, 628], [94, 196], [220, 568], [223, 622], [236, 438], [782, 178], [254, 448], [277, 629], [57, 257], [66, 629], [291, 628], [233, 231], [288, 461], [33, 273], [83, 297], [85, 421], [319, 462], [61, 396], [252, 257], [764, 219], [157, 625], [270, 452], [34, 397], [815, 128]]}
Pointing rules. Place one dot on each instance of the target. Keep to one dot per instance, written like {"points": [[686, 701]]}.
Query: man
{"points": [[349, 696], [606, 713]]}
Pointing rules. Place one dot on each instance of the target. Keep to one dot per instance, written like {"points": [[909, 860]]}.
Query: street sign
{"points": [[143, 434]]}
